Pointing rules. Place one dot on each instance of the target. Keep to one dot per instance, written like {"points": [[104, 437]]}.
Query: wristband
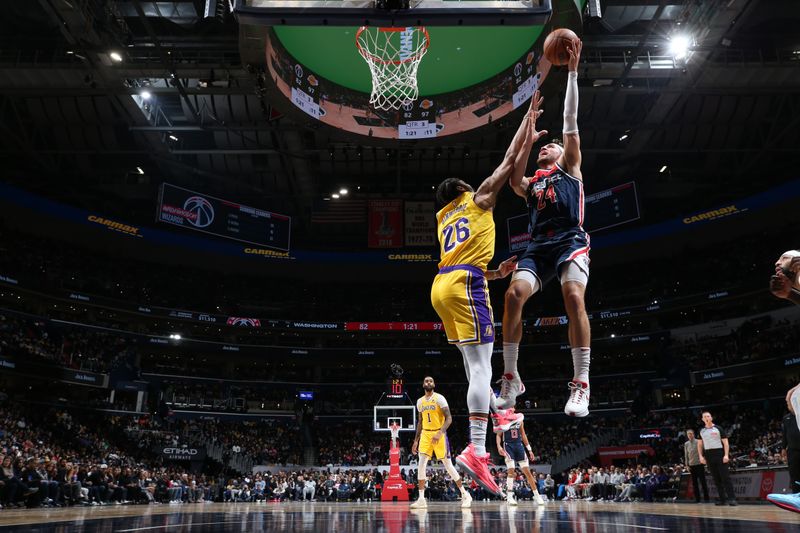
{"points": [[528, 447]]}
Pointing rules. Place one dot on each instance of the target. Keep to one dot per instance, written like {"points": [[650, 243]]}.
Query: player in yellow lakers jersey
{"points": [[460, 295], [431, 439]]}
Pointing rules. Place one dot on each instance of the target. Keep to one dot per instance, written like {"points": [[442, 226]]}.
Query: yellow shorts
{"points": [[426, 446], [461, 299]]}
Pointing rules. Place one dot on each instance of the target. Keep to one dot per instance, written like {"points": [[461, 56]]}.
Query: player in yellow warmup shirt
{"points": [[431, 439]]}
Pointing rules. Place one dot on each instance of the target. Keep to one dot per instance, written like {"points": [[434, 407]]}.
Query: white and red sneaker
{"points": [[505, 419], [478, 469], [578, 403], [511, 386]]}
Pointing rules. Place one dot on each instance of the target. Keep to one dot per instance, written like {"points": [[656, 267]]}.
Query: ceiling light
{"points": [[115, 56], [624, 136], [679, 46], [70, 52], [334, 196], [663, 169], [173, 137], [343, 191], [139, 170], [145, 95]]}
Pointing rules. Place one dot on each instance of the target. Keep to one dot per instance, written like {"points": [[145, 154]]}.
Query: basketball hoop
{"points": [[395, 429], [393, 56]]}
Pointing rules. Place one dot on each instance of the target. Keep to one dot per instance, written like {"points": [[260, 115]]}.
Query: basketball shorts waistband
{"points": [[432, 429], [469, 268]]}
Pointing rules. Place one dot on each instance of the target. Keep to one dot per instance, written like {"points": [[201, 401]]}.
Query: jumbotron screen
{"points": [[207, 214]]}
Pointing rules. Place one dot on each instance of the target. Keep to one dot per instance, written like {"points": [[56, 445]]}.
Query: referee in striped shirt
{"points": [[713, 449]]}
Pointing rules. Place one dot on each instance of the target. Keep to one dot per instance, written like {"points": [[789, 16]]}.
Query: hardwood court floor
{"points": [[584, 517]]}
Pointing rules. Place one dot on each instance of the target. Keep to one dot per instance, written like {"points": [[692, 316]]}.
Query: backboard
{"points": [[392, 13], [403, 415]]}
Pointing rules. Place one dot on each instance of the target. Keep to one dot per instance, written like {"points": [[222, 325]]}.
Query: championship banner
{"points": [[420, 224], [385, 224]]}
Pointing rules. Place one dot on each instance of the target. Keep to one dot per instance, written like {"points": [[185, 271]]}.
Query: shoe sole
{"points": [[784, 506], [477, 479], [578, 414]]}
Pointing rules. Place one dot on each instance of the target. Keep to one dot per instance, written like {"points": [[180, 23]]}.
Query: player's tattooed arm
{"points": [[448, 419], [504, 269], [486, 195], [519, 183]]}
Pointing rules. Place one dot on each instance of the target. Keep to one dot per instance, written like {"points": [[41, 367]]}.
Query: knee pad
{"points": [[577, 271], [529, 277]]}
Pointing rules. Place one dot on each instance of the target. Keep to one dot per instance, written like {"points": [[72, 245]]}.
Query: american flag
{"points": [[339, 211]]}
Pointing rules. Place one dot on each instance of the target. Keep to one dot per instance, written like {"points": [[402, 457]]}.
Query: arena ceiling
{"points": [[72, 124]]}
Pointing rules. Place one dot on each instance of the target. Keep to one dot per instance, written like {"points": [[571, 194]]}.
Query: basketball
{"points": [[555, 46]]}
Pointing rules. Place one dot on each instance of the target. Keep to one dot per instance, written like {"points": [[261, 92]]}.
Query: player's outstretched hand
{"points": [[535, 111], [574, 51], [507, 267]]}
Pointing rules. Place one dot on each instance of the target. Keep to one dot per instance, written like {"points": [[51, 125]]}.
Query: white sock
{"points": [[492, 402], [510, 356], [581, 357], [510, 484], [477, 435]]}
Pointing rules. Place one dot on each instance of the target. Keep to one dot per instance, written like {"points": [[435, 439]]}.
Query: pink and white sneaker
{"points": [[478, 469], [505, 419], [578, 403], [511, 386]]}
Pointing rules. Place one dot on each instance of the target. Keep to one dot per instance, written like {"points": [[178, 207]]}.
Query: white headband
{"points": [[792, 253]]}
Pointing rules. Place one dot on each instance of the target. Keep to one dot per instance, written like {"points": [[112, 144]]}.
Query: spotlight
{"points": [[115, 56], [663, 169], [335, 196], [679, 46], [145, 95], [173, 137], [139, 170], [624, 136], [343, 191]]}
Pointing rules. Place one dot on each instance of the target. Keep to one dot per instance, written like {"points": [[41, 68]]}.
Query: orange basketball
{"points": [[555, 46]]}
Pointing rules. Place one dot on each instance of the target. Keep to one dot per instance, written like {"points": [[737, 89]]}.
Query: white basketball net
{"points": [[395, 429], [393, 56]]}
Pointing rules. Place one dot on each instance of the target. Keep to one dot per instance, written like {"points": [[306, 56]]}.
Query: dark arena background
{"points": [[217, 253]]}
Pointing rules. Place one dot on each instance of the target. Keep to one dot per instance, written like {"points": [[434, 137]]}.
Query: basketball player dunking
{"points": [[459, 293], [431, 439], [559, 246]]}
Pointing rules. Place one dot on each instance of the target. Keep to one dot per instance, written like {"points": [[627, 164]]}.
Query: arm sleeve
{"points": [[571, 104], [419, 405]]}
